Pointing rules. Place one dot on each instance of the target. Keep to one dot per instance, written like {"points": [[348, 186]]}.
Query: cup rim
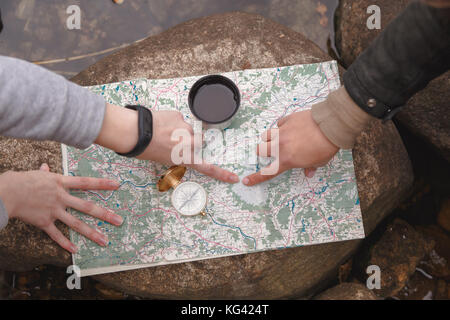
{"points": [[211, 79]]}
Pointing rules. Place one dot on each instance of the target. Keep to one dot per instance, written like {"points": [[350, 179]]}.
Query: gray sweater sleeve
{"points": [[38, 104]]}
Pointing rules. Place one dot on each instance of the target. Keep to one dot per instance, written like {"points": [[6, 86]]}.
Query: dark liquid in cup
{"points": [[214, 103]]}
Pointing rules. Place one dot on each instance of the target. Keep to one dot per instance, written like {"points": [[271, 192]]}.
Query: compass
{"points": [[188, 198]]}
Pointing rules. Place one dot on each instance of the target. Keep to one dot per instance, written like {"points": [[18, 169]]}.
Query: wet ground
{"points": [[37, 30]]}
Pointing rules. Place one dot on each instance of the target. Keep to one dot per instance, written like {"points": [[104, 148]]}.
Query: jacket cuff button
{"points": [[371, 103]]}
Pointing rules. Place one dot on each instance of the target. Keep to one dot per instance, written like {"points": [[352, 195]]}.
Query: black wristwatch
{"points": [[145, 126]]}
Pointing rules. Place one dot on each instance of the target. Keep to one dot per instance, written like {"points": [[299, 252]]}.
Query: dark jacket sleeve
{"points": [[412, 50]]}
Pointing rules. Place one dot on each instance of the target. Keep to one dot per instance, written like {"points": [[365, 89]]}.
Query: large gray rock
{"points": [[426, 113], [217, 44], [397, 253]]}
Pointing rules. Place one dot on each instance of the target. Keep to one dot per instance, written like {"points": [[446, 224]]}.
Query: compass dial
{"points": [[189, 198]]}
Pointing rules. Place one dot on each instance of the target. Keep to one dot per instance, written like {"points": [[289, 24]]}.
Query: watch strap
{"points": [[145, 130]]}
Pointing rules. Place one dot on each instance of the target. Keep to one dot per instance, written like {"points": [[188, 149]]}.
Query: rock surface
{"points": [[217, 44], [421, 286], [397, 254], [437, 263], [426, 113], [347, 291]]}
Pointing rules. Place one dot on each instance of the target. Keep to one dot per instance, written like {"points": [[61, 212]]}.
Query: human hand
{"points": [[162, 145], [40, 197], [120, 133], [301, 144]]}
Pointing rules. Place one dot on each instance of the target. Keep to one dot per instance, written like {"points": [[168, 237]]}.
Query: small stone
{"points": [[441, 290], [397, 254], [19, 295], [4, 285], [109, 293], [118, 1], [21, 282], [437, 261], [448, 291], [418, 287], [344, 271]]}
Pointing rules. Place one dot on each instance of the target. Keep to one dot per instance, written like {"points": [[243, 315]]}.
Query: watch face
{"points": [[189, 198]]}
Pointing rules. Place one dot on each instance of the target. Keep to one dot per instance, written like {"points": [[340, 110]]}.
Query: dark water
{"points": [[36, 30]]}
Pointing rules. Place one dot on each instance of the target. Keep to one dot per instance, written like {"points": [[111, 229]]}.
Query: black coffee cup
{"points": [[214, 100]]}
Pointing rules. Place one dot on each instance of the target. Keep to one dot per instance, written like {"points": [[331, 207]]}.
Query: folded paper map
{"points": [[288, 211]]}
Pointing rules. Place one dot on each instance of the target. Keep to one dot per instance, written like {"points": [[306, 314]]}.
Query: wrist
{"points": [[145, 131], [119, 129], [340, 119]]}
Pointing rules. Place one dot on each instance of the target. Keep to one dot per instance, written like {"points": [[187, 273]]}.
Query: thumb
{"points": [[267, 173], [44, 167]]}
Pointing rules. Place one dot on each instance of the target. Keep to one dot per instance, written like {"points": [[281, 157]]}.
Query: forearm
{"points": [[340, 119], [119, 131], [38, 104]]}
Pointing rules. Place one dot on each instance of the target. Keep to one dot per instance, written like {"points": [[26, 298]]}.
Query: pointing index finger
{"points": [[267, 173], [88, 183], [215, 172]]}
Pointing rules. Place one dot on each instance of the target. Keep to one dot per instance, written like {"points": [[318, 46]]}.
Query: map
{"points": [[288, 211]]}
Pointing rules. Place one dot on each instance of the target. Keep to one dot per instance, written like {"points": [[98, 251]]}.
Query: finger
{"points": [[310, 172], [198, 141], [189, 128], [92, 209], [197, 148], [270, 134], [44, 167], [215, 172], [82, 228], [264, 149], [265, 174], [178, 115], [86, 183], [60, 239]]}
